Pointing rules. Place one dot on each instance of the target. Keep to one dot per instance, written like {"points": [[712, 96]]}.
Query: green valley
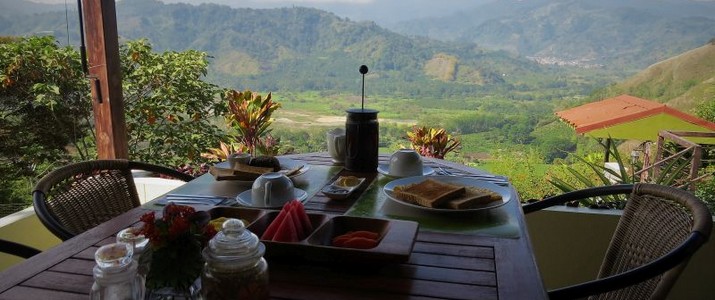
{"points": [[499, 103]]}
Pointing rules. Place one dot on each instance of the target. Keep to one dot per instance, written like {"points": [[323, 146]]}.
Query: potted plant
{"points": [[249, 116], [432, 142]]}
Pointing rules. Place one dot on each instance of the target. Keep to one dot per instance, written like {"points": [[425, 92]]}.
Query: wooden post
{"points": [[694, 167], [659, 152], [100, 24]]}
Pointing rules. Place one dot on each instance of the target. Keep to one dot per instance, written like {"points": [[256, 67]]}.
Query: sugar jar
{"points": [[235, 267], [115, 275]]}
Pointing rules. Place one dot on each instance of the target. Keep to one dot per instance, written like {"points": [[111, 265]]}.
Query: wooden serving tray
{"points": [[396, 240]]}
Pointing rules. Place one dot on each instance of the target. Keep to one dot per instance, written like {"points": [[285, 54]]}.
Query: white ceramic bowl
{"points": [[272, 189], [406, 162]]}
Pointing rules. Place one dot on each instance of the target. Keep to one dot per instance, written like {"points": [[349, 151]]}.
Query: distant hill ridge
{"points": [[18, 7], [302, 48], [615, 33], [682, 81]]}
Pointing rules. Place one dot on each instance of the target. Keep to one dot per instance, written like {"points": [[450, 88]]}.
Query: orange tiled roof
{"points": [[620, 109]]}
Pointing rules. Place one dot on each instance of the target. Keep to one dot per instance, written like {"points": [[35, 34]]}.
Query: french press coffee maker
{"points": [[362, 133]]}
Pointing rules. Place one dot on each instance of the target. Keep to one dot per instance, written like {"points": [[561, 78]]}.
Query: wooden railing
{"points": [[688, 171]]}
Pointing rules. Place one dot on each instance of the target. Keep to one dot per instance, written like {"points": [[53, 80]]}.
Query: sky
{"points": [[381, 11], [239, 1]]}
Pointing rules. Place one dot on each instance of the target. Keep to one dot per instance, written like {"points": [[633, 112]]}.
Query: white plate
{"points": [[385, 170], [246, 199], [503, 191], [287, 164]]}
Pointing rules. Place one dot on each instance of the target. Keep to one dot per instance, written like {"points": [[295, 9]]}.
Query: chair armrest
{"points": [[578, 195], [46, 218], [16, 249]]}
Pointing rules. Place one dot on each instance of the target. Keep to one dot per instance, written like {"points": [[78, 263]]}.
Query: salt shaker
{"points": [[235, 267], [115, 275]]}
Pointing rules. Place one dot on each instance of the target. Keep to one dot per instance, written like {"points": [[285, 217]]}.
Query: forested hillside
{"points": [[498, 103], [685, 81], [618, 34], [299, 49]]}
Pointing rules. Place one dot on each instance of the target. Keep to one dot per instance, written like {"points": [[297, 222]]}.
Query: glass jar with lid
{"points": [[115, 275], [140, 243], [235, 267]]}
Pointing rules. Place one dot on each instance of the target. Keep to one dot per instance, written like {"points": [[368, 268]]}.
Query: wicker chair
{"points": [[79, 196], [16, 249], [660, 229]]}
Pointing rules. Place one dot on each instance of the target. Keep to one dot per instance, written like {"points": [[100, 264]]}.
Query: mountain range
{"points": [[612, 33], [300, 48], [303, 48]]}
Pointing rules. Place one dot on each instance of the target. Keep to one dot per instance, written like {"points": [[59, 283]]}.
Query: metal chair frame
{"points": [[17, 249]]}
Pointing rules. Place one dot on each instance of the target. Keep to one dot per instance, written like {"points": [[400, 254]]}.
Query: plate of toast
{"points": [[247, 173], [448, 194]]}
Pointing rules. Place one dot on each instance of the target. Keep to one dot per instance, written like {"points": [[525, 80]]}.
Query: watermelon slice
{"points": [[273, 227], [286, 231], [303, 217], [293, 212]]}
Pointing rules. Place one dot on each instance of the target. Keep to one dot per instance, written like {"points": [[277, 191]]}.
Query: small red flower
{"points": [[176, 222]]}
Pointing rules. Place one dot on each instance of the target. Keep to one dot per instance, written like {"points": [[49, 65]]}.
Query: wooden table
{"points": [[482, 263]]}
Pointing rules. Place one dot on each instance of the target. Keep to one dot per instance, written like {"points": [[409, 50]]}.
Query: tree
{"points": [[521, 164], [170, 111], [45, 111], [706, 108]]}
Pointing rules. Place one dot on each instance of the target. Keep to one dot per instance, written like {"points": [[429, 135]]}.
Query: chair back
{"points": [[659, 223], [80, 196], [20, 250]]}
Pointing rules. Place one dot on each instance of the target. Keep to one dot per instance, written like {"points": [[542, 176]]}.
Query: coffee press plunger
{"points": [[361, 135]]}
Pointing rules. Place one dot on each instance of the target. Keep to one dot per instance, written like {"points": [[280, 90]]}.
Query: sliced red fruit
{"points": [[339, 241], [363, 233], [360, 243], [286, 231], [273, 227], [293, 212], [303, 217]]}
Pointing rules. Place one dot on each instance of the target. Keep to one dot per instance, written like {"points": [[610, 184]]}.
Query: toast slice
{"points": [[247, 172], [428, 193], [473, 197]]}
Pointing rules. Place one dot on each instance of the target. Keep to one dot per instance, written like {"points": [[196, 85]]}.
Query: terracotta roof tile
{"points": [[620, 109]]}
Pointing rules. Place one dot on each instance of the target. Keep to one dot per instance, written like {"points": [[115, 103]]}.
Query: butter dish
{"points": [[342, 187]]}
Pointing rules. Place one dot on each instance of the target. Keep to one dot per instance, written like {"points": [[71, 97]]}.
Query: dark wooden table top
{"points": [[479, 262]]}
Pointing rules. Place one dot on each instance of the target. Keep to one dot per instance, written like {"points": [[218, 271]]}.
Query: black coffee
{"points": [[362, 133]]}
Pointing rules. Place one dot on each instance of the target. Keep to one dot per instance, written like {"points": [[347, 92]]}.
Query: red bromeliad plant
{"points": [[432, 142], [250, 115], [176, 240], [224, 151]]}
